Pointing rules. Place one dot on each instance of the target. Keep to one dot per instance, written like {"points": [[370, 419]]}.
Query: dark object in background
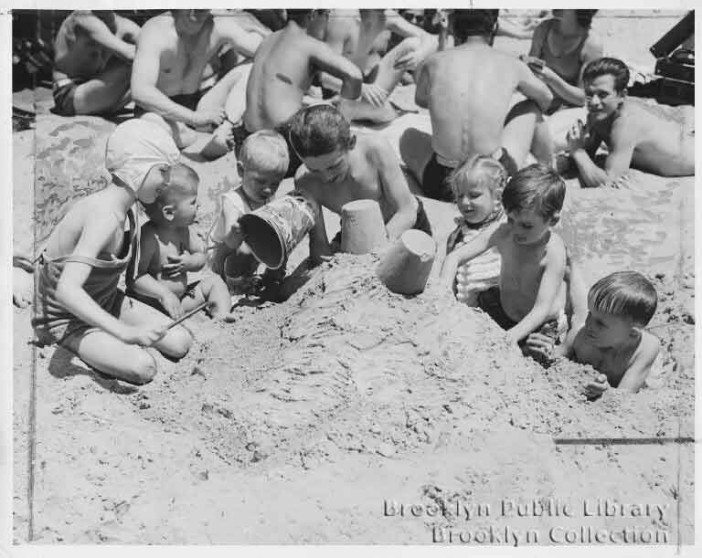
{"points": [[676, 67], [273, 19]]}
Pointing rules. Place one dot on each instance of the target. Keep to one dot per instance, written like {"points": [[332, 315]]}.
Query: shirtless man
{"points": [[340, 168], [92, 62], [355, 34], [470, 93], [635, 136], [283, 70], [173, 51]]}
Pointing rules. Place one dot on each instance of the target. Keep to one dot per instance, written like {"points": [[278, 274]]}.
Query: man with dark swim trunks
{"points": [[476, 100]]}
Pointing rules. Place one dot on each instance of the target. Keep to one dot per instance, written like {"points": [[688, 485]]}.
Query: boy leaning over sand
{"points": [[635, 135], [78, 303], [532, 292], [263, 162], [340, 167], [169, 249], [612, 339]]}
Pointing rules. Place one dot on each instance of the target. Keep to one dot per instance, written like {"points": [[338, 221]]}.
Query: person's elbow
{"points": [[354, 82], [545, 99]]}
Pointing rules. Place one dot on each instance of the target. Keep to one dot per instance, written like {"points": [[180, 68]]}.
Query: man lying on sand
{"points": [[78, 303], [93, 62], [469, 91], [340, 168], [613, 339], [635, 135], [353, 33], [173, 51], [283, 69]]}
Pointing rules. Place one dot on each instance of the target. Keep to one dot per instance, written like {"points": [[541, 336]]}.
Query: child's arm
{"points": [[97, 233], [395, 189], [551, 279], [481, 243], [99, 32], [146, 284], [640, 366], [320, 248], [194, 257]]}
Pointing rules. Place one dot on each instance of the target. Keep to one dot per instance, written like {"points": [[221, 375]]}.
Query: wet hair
{"points": [[179, 180], [319, 130], [468, 23], [604, 66], [536, 187], [486, 171], [266, 151], [625, 294], [301, 16], [584, 17]]}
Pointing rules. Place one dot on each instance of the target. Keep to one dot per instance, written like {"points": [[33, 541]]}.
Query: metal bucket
{"points": [[273, 231]]}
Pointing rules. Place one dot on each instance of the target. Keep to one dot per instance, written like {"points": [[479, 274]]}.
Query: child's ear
{"points": [[240, 169], [556, 217], [168, 212], [352, 142]]}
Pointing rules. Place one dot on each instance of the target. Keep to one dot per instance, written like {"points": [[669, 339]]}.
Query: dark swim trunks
{"points": [[188, 100], [434, 183], [64, 92], [489, 302], [508, 162]]}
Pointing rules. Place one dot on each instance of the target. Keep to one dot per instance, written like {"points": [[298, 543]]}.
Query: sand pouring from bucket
{"points": [[405, 267], [273, 231]]}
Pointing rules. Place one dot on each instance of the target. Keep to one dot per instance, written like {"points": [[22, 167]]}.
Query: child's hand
{"points": [[541, 348], [172, 305], [576, 138], [173, 268], [144, 336], [597, 387]]}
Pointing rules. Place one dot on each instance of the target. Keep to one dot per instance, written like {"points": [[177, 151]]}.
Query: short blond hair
{"points": [[489, 173], [265, 150]]}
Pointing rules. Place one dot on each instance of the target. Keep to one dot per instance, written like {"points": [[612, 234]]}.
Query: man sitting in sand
{"points": [[93, 62], [340, 168], [470, 93], [354, 33], [283, 70], [635, 135], [174, 49]]}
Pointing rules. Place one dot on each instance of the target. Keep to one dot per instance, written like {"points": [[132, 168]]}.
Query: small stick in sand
{"points": [[192, 312]]}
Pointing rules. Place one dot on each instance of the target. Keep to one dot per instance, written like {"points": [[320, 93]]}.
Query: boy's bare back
{"points": [[469, 93]]}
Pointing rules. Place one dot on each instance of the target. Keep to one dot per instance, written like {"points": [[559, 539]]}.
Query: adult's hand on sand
{"points": [[541, 348], [207, 118], [145, 336], [374, 94], [172, 305], [22, 287], [597, 387]]}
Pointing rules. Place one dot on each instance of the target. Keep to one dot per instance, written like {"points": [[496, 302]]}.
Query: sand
{"points": [[317, 419]]}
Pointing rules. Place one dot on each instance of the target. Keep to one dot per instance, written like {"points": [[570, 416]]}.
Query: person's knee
{"points": [[179, 342], [144, 368]]}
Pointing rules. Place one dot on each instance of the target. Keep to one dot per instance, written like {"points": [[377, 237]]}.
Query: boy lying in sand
{"points": [[169, 249], [263, 162], [532, 292], [612, 339], [78, 303], [635, 135], [340, 168], [283, 69]]}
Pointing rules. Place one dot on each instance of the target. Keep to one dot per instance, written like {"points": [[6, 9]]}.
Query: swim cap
{"points": [[134, 148]]}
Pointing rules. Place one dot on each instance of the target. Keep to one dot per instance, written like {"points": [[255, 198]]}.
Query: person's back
{"points": [[470, 89], [76, 54], [280, 76]]}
